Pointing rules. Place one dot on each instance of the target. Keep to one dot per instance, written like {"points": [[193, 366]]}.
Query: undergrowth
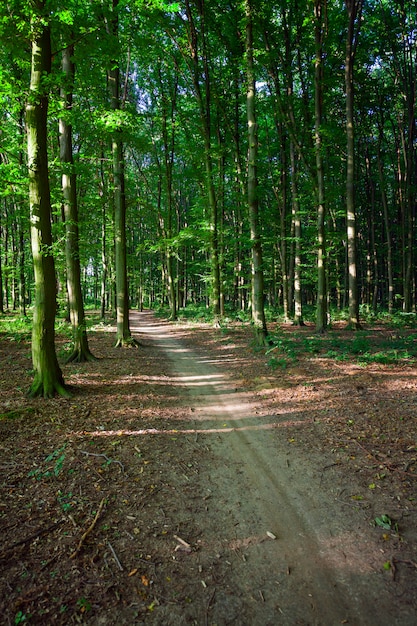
{"points": [[285, 348]]}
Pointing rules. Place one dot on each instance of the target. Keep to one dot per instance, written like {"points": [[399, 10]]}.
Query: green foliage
{"points": [[16, 328], [21, 618], [65, 501], [84, 605], [165, 174], [385, 522], [362, 347], [49, 469]]}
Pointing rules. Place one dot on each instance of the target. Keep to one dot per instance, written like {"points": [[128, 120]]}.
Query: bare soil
{"points": [[187, 482]]}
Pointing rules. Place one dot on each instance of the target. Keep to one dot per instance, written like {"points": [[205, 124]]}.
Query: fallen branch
{"points": [[183, 545], [104, 456], [39, 533], [120, 566], [89, 530]]}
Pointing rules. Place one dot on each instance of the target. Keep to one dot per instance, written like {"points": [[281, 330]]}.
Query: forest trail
{"points": [[189, 482], [299, 558]]}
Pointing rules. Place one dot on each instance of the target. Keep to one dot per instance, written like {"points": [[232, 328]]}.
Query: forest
{"points": [[228, 186], [236, 156]]}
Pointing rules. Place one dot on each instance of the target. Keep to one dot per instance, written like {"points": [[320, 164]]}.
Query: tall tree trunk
{"points": [[298, 307], [168, 134], [353, 10], [204, 103], [1, 272], [123, 334], [81, 351], [258, 308], [48, 378], [104, 263], [389, 255], [322, 304]]}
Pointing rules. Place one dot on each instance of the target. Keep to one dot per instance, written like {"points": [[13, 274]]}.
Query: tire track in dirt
{"points": [[321, 568]]}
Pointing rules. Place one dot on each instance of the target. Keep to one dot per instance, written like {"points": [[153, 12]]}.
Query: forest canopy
{"points": [[236, 154]]}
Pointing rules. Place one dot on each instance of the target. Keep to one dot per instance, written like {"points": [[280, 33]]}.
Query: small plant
{"points": [[84, 605], [65, 501], [21, 617], [59, 457], [385, 522], [360, 344], [277, 363]]}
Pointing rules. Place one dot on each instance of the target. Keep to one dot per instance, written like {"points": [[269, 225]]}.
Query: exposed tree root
{"points": [[78, 355], [130, 342], [41, 388]]}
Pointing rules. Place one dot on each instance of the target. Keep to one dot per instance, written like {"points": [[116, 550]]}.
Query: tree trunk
{"points": [[81, 351], [48, 378], [258, 309], [322, 310], [123, 335], [353, 10], [168, 134], [204, 103], [298, 307], [104, 264], [389, 256]]}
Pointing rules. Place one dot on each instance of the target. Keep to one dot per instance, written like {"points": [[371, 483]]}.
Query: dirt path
{"points": [[187, 482], [298, 558]]}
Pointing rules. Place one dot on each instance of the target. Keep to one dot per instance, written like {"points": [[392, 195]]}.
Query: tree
{"points": [[48, 378], [81, 351], [258, 308], [354, 9], [201, 81], [123, 337], [319, 16]]}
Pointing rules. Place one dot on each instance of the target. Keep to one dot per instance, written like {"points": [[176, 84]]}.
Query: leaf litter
{"points": [[99, 527]]}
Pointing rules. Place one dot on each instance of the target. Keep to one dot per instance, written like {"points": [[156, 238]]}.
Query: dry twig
{"points": [[38, 533], [104, 456], [89, 529], [119, 565]]}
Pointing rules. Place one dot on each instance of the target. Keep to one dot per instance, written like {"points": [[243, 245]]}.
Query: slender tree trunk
{"points": [[1, 272], [354, 11], [258, 309], [123, 334], [104, 264], [81, 351], [389, 255], [168, 133], [298, 307], [204, 103], [322, 307], [48, 378]]}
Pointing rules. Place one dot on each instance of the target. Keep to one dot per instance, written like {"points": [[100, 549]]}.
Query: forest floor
{"points": [[196, 480]]}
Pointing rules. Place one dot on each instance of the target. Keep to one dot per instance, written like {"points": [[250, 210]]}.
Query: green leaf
{"points": [[384, 521]]}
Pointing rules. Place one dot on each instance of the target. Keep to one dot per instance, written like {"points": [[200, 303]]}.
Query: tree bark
{"points": [[322, 306], [353, 11], [48, 378], [80, 351], [258, 308], [204, 103], [123, 334], [298, 307]]}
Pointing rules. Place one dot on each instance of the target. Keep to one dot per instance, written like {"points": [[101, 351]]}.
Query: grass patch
{"points": [[16, 327], [359, 347]]}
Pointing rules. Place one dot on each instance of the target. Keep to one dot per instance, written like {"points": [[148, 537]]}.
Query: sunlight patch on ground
{"points": [[347, 552], [186, 431]]}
